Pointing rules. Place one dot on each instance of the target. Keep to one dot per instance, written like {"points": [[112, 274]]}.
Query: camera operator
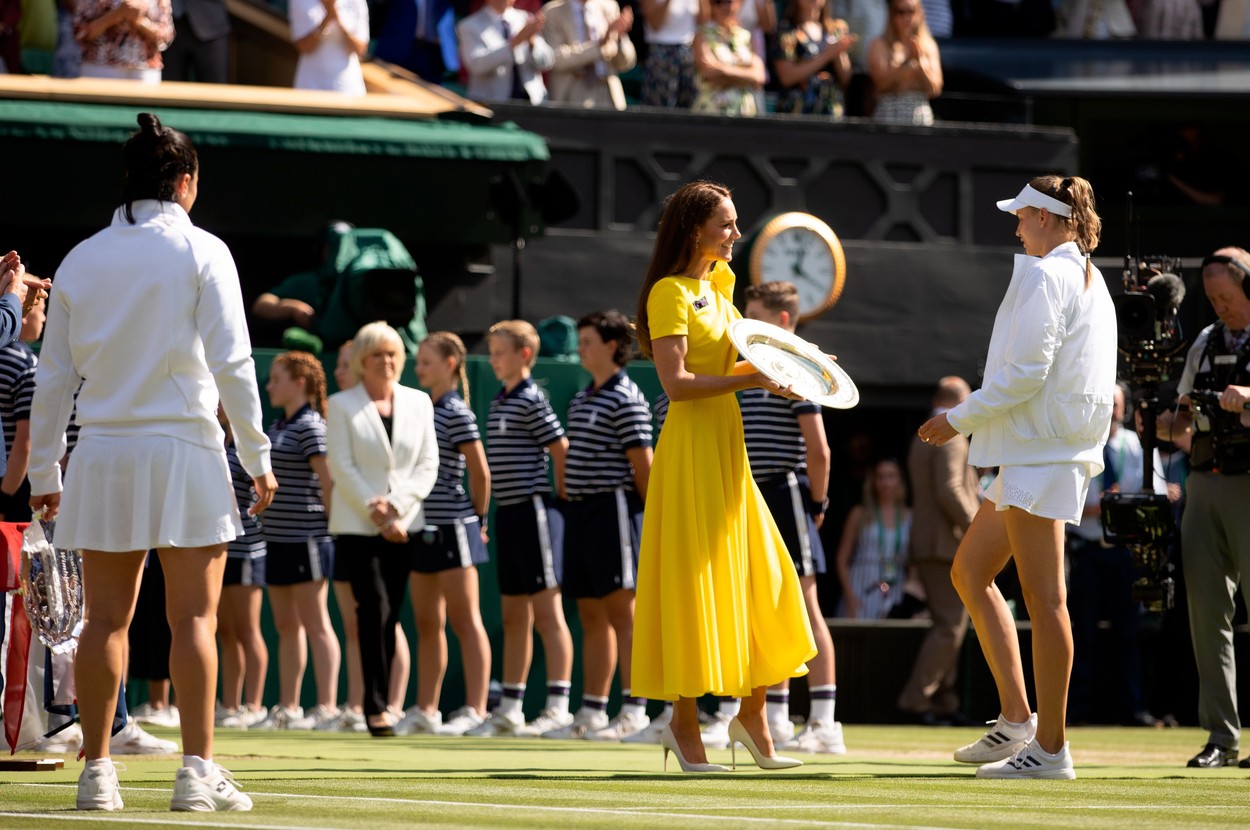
{"points": [[1215, 530]]}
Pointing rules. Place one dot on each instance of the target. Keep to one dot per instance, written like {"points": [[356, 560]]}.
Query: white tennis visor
{"points": [[1035, 199]]}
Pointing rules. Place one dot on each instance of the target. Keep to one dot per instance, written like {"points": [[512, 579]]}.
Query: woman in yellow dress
{"points": [[719, 608]]}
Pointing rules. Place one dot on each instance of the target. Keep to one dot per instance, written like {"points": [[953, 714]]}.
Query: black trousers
{"points": [[378, 571]]}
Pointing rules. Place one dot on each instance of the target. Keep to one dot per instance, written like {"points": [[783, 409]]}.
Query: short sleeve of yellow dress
{"points": [[718, 607]]}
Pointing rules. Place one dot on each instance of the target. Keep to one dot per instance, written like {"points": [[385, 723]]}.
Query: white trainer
{"points": [[154, 716], [417, 721], [134, 741], [1001, 740], [585, 721], [716, 733], [549, 720], [279, 717], [461, 721], [67, 740], [818, 736], [318, 717], [245, 717], [781, 731], [501, 725], [1032, 762], [350, 720], [98, 789], [621, 727], [650, 734], [216, 791]]}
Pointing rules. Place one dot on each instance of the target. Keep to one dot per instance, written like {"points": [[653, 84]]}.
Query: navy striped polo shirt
{"points": [[521, 425], [604, 423]]}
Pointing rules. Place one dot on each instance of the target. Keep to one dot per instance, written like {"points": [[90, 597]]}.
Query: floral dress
{"points": [[818, 95], [733, 47]]}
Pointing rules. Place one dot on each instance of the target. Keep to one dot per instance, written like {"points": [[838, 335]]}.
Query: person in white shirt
{"points": [[1042, 416], [331, 37], [147, 315]]}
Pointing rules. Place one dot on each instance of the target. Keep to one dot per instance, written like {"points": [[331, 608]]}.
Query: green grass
{"points": [[1132, 778]]}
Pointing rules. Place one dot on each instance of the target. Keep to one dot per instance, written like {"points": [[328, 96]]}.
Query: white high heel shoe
{"points": [[669, 743], [738, 735]]}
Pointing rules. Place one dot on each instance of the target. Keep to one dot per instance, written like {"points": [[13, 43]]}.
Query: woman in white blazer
{"points": [[383, 458], [1042, 416]]}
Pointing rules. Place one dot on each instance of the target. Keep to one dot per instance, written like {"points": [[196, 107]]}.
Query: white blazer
{"points": [[365, 464], [488, 58]]}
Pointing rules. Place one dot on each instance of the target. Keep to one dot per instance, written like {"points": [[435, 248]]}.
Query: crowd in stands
{"points": [[730, 57]]}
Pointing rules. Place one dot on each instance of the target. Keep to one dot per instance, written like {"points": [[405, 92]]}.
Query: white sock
{"points": [[824, 698], [777, 705], [1013, 724], [729, 706], [558, 695], [630, 705], [102, 764], [513, 697], [203, 767]]}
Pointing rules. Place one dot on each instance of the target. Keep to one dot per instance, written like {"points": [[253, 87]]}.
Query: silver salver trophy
{"points": [[791, 361], [52, 586]]}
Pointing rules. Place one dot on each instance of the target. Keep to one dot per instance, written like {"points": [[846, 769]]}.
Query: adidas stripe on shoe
{"points": [[1032, 762], [1002, 740]]}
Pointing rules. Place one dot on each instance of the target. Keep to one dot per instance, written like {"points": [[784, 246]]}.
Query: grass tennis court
{"points": [[895, 777]]}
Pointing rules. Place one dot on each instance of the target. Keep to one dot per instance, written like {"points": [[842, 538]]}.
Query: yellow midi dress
{"points": [[719, 608]]}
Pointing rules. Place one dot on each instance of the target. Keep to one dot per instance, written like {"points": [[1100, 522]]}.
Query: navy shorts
{"points": [[290, 563], [529, 538], [245, 570], [601, 535], [443, 547], [787, 497]]}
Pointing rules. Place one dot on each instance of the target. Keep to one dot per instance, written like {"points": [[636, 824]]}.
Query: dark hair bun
{"points": [[149, 124]]}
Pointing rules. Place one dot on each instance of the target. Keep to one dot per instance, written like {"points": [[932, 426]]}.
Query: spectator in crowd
{"points": [[17, 388], [123, 38], [201, 47], [67, 60], [1100, 584], [945, 497], [592, 46], [759, 17], [299, 557], [1216, 524], [729, 73], [505, 53], [524, 436], [420, 35], [153, 309], [668, 75], [451, 545], [905, 67], [811, 60], [1170, 20], [609, 461], [331, 37], [872, 554], [867, 18], [383, 456]]}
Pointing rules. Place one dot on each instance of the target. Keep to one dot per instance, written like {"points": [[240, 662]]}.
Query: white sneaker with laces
{"points": [[245, 717], [417, 721], [350, 720], [585, 721], [818, 736], [214, 792], [1002, 740], [501, 725], [650, 734], [98, 789], [716, 734], [134, 741], [67, 740], [1032, 762], [621, 727], [152, 716], [461, 721], [781, 731], [279, 717], [548, 720], [318, 717]]}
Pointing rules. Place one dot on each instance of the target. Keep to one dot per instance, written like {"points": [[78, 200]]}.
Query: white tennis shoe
{"points": [[1002, 740]]}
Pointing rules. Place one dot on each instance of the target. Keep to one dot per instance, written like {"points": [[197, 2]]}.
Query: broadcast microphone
{"points": [[1168, 291]]}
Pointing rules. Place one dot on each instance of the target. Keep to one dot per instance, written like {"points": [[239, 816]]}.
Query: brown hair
{"points": [[611, 325], [776, 296], [306, 367], [891, 35], [684, 213], [519, 333], [1078, 194], [155, 158], [448, 345]]}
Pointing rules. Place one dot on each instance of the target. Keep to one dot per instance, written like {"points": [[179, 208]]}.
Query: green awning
{"points": [[452, 141]]}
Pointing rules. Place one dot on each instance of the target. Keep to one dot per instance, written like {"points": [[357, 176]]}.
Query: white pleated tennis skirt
{"points": [[126, 493], [1052, 491]]}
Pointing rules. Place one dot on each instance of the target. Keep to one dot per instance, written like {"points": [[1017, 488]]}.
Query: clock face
{"points": [[801, 249]]}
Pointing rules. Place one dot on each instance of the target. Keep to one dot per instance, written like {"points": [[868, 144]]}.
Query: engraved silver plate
{"points": [[791, 361]]}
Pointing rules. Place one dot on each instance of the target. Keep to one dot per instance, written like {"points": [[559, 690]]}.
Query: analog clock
{"points": [[799, 248]]}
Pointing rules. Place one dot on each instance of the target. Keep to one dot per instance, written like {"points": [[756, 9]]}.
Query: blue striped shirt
{"points": [[775, 444], [455, 426], [296, 513], [603, 424], [17, 387], [251, 544], [521, 425]]}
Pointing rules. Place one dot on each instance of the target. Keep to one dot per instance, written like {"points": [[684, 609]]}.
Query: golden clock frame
{"points": [[796, 219]]}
